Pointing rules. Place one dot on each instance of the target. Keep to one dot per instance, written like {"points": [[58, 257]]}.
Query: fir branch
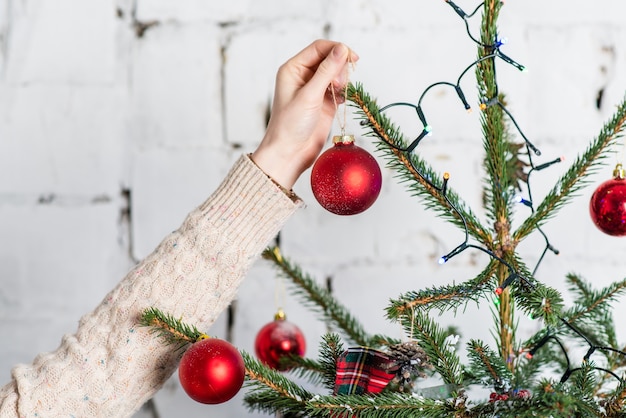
{"points": [[614, 405], [383, 405], [270, 390], [488, 367], [441, 352], [560, 401], [330, 350], [593, 302], [576, 176], [528, 370], [542, 302], [411, 169], [324, 370], [173, 331], [584, 382], [319, 299], [444, 298], [494, 129], [578, 286], [303, 367]]}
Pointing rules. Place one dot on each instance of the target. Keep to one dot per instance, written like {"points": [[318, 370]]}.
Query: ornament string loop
{"points": [[343, 121]]}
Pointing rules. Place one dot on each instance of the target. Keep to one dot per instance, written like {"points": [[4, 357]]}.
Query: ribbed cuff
{"points": [[251, 205]]}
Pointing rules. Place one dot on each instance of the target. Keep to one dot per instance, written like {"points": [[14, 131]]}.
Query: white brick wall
{"points": [[90, 110]]}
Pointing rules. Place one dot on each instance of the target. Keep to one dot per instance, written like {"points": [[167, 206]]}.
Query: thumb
{"points": [[329, 69]]}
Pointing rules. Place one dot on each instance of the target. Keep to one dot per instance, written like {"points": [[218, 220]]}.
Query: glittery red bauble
{"points": [[278, 339], [346, 179], [211, 371], [608, 205]]}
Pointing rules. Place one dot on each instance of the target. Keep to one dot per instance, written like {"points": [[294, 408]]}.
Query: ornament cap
{"points": [[343, 139], [280, 315], [619, 172]]}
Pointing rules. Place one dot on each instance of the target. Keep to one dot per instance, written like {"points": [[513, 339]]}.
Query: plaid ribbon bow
{"points": [[363, 370]]}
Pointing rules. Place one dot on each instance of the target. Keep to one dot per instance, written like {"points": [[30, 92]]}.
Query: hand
{"points": [[303, 110]]}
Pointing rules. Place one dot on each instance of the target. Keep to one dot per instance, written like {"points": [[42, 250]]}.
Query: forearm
{"points": [[110, 367]]}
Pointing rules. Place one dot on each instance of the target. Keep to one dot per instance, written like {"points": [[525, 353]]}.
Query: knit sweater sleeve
{"points": [[111, 366]]}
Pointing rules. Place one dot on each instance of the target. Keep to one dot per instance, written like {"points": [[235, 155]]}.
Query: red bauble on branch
{"points": [[278, 339], [211, 371], [346, 179], [608, 204]]}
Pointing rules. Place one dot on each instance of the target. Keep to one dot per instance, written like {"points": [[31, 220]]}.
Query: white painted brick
{"points": [[68, 41], [77, 250], [166, 185], [252, 58], [194, 10], [567, 82], [190, 10], [176, 87], [557, 12], [4, 32], [391, 15], [86, 107], [62, 139], [58, 262]]}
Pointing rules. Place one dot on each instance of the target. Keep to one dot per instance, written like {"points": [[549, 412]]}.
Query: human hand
{"points": [[303, 109]]}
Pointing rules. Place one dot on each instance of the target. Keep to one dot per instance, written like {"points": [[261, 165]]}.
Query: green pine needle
{"points": [[172, 330], [433, 340], [321, 301], [577, 175], [487, 367], [379, 126]]}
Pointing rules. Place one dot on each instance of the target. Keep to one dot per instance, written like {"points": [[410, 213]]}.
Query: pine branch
{"points": [[383, 405], [330, 350], [576, 176], [543, 303], [614, 406], [494, 129], [584, 382], [443, 298], [304, 368], [320, 300], [578, 286], [411, 169], [324, 370], [487, 367], [173, 331], [528, 370], [593, 303], [270, 391], [534, 298], [559, 400], [433, 340]]}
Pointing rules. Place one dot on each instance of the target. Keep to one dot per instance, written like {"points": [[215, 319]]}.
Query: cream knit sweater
{"points": [[111, 366]]}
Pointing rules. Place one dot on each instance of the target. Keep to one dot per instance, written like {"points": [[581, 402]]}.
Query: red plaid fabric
{"points": [[361, 370]]}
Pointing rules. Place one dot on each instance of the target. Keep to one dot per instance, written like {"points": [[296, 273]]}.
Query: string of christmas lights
{"points": [[486, 103]]}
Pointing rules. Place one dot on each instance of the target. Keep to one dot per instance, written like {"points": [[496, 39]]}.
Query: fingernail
{"points": [[353, 56], [339, 51]]}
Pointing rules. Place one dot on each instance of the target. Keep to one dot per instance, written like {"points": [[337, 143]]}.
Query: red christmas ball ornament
{"points": [[211, 371], [278, 339], [346, 179], [608, 204]]}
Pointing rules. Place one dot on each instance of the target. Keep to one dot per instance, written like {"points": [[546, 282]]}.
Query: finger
{"points": [[311, 56], [330, 69]]}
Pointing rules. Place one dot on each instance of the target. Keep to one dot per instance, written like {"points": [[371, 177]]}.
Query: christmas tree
{"points": [[366, 375]]}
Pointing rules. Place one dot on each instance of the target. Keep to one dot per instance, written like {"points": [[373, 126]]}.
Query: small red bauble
{"points": [[608, 205], [346, 179], [211, 371], [278, 339]]}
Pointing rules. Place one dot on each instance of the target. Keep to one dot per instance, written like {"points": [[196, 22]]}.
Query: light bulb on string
{"points": [[520, 199]]}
